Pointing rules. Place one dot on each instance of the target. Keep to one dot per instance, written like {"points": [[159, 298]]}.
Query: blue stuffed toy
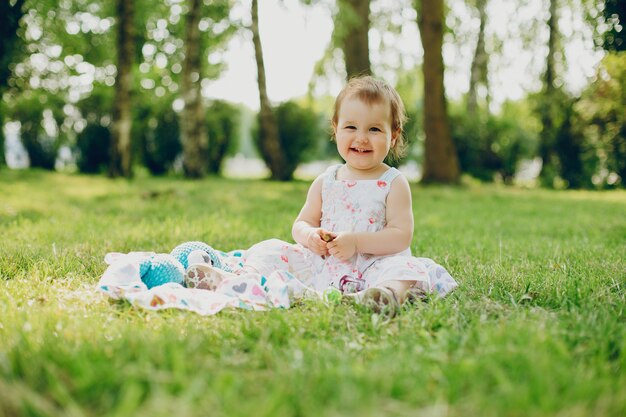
{"points": [[163, 268], [160, 269], [202, 253]]}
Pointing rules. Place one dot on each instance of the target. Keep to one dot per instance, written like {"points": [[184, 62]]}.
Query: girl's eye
{"points": [[350, 127], [375, 129]]}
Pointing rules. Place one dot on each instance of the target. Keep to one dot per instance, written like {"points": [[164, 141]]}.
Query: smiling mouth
{"points": [[359, 150]]}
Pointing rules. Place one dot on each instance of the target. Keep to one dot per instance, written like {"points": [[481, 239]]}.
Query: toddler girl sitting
{"points": [[354, 230]]}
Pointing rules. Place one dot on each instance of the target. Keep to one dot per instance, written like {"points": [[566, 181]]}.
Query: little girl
{"points": [[355, 228]]}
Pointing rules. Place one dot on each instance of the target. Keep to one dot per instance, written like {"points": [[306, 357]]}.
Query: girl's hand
{"points": [[343, 247], [316, 241]]}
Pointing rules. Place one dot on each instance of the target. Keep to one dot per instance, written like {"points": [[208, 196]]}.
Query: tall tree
{"points": [[548, 112], [478, 75], [10, 15], [193, 129], [441, 163], [121, 157], [353, 24], [268, 128]]}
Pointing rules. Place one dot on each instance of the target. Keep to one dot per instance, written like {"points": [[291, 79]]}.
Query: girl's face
{"points": [[363, 133]]}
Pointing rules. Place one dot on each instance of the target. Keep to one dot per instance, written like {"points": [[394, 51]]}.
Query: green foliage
{"points": [[10, 14], [75, 41], [551, 106], [614, 17], [602, 121], [2, 138], [93, 144], [162, 58], [536, 327], [410, 87], [299, 131], [30, 109], [576, 160], [323, 147], [93, 149], [490, 144], [156, 134], [222, 120], [41, 148], [584, 145], [98, 105]]}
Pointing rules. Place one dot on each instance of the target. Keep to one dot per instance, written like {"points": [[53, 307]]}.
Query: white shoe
{"points": [[381, 300], [203, 276]]}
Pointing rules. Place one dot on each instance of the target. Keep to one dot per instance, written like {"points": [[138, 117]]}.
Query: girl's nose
{"points": [[361, 136]]}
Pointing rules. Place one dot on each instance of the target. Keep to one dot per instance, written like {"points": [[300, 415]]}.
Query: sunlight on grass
{"points": [[536, 328]]}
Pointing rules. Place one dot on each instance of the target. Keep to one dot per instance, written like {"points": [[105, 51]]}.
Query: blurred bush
{"points": [[222, 121], [586, 144], [601, 119], [490, 145], [413, 133], [156, 132], [93, 147], [93, 143], [577, 161], [41, 148], [410, 86], [299, 130], [35, 111]]}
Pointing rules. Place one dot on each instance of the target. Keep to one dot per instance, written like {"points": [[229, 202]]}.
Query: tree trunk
{"points": [[121, 161], [355, 41], [268, 128], [441, 163], [10, 16], [548, 136], [193, 128], [478, 75]]}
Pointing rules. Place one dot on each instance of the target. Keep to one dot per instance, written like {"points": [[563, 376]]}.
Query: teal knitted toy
{"points": [[182, 251], [160, 269]]}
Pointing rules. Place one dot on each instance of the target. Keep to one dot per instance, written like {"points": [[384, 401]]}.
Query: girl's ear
{"points": [[394, 137]]}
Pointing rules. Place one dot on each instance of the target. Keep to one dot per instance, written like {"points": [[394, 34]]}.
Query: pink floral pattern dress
{"points": [[350, 206]]}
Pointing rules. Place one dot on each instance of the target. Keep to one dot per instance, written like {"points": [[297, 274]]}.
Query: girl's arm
{"points": [[395, 237], [306, 228]]}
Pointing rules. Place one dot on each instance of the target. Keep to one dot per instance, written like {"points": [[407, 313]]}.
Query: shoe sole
{"points": [[205, 277]]}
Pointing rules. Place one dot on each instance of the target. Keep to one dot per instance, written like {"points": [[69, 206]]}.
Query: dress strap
{"points": [[330, 174], [390, 175]]}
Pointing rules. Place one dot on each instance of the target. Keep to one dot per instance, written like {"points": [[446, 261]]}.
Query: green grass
{"points": [[536, 328]]}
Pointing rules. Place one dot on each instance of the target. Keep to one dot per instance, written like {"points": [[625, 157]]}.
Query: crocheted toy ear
{"points": [[182, 252], [160, 269], [198, 257]]}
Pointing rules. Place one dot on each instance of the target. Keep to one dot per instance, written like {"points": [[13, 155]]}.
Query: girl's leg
{"points": [[276, 255], [425, 275], [400, 289], [264, 257], [392, 281]]}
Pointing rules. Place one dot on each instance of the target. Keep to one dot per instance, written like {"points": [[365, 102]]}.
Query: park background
{"points": [[529, 88], [139, 125]]}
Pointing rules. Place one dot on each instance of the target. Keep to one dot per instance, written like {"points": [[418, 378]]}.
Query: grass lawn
{"points": [[536, 328]]}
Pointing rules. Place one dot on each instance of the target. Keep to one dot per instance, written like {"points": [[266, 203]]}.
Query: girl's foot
{"points": [[205, 277], [381, 300], [415, 295]]}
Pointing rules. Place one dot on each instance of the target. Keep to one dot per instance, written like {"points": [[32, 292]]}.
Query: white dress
{"points": [[350, 206]]}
